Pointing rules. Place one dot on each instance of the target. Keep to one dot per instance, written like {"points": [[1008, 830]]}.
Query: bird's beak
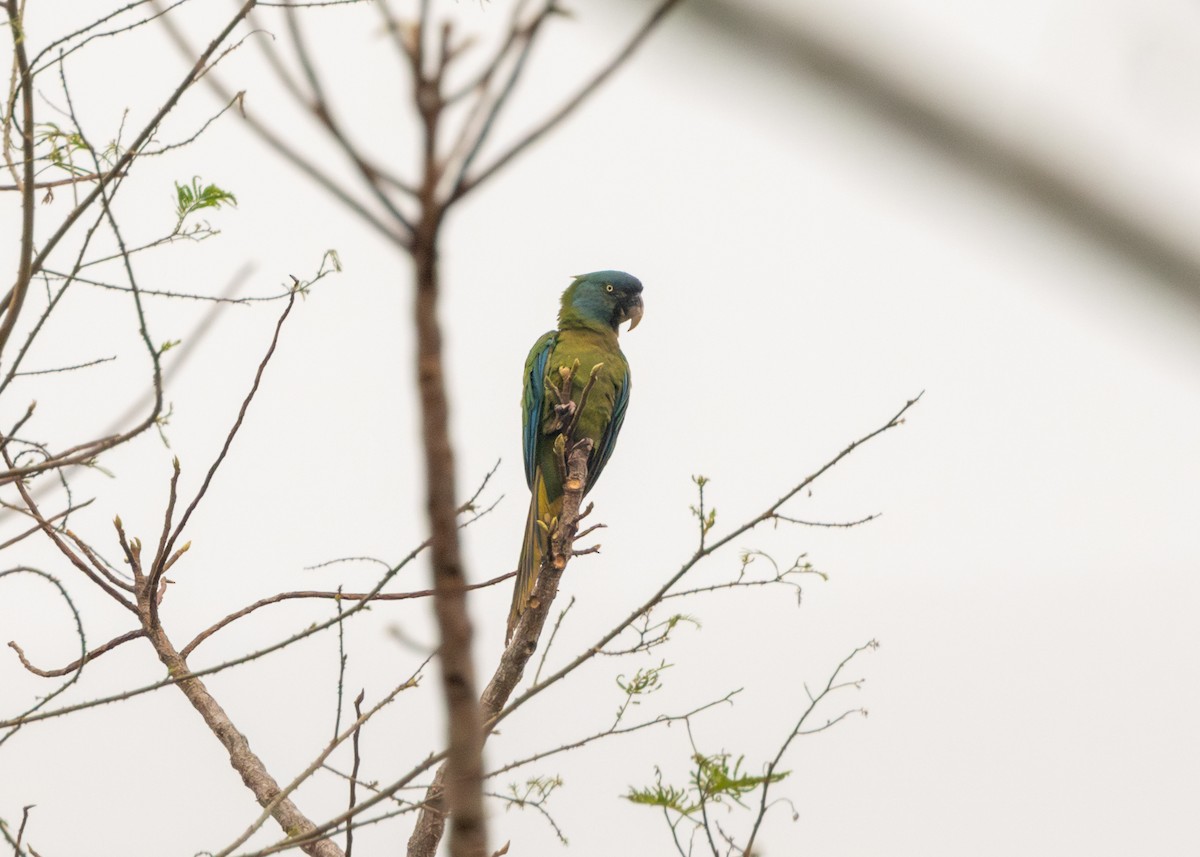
{"points": [[634, 313]]}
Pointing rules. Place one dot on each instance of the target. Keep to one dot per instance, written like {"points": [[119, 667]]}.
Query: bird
{"points": [[593, 308]]}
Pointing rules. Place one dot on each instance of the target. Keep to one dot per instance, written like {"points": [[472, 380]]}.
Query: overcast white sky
{"points": [[808, 266]]}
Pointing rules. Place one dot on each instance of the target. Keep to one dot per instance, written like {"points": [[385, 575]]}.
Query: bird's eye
{"points": [[608, 287]]}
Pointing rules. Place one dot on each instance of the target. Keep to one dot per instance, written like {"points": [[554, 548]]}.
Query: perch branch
{"points": [[517, 653]]}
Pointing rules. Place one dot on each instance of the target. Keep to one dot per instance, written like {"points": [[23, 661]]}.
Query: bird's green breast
{"points": [[589, 347]]}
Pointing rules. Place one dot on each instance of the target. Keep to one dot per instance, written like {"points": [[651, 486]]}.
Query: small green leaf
{"points": [[716, 780], [197, 196], [664, 796], [644, 681]]}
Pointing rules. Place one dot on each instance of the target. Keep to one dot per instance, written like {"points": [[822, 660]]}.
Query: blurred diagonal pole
{"points": [[1063, 169]]}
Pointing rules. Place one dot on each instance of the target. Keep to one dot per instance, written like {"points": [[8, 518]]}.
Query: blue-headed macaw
{"points": [[593, 307]]}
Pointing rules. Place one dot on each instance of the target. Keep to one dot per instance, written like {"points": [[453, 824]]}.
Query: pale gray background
{"points": [[809, 265]]}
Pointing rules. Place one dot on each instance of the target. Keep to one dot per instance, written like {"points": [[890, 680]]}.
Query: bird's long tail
{"points": [[533, 547]]}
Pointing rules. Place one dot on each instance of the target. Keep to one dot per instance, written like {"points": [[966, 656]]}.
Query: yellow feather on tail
{"points": [[533, 548]]}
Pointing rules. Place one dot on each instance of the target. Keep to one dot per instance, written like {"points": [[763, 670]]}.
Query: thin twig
{"points": [[341, 673], [14, 724], [45, 185], [141, 139], [613, 730], [687, 566], [25, 264], [340, 596], [77, 664], [323, 111], [358, 700], [315, 765], [541, 129], [160, 556], [289, 153], [60, 369], [774, 763], [176, 679], [553, 633], [212, 470], [21, 829], [484, 113], [62, 546], [36, 527], [833, 524], [85, 452], [238, 661]]}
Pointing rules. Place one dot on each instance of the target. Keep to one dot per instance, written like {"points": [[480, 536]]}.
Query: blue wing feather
{"points": [[608, 441], [533, 399]]}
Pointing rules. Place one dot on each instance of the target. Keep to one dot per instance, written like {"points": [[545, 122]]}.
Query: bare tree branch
{"points": [[303, 776], [37, 527], [14, 725], [25, 267], [469, 183], [168, 544], [1033, 163], [339, 596], [248, 765], [428, 830], [62, 546], [323, 111], [773, 765], [691, 563], [279, 144], [122, 163], [76, 664]]}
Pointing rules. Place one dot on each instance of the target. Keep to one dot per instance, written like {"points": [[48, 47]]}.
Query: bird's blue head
{"points": [[602, 299]]}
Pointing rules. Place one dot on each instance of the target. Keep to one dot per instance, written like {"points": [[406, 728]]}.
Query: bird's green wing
{"points": [[533, 400], [608, 441]]}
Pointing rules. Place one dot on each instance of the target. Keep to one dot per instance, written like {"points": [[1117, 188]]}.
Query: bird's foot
{"points": [[562, 417]]}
